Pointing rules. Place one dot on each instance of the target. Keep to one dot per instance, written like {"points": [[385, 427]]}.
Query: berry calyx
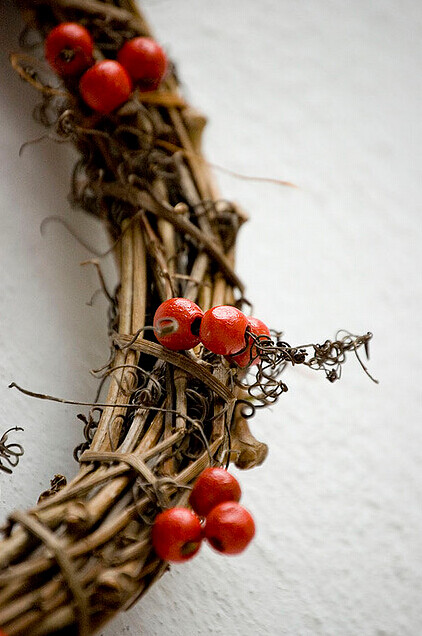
{"points": [[223, 330], [176, 534], [212, 487], [145, 61], [105, 86], [251, 356], [68, 49], [181, 318], [229, 528]]}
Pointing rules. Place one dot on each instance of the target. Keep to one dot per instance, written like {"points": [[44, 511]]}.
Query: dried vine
{"points": [[83, 553], [11, 452]]}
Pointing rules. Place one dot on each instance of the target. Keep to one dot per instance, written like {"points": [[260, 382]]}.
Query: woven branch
{"points": [[84, 553]]}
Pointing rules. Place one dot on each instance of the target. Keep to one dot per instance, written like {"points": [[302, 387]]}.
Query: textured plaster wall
{"points": [[327, 95]]}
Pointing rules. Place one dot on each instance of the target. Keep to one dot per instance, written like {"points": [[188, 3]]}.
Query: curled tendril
{"points": [[246, 408], [90, 426], [274, 355], [11, 453]]}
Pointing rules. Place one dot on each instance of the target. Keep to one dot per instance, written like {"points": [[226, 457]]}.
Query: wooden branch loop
{"points": [[167, 415], [16, 60], [30, 523]]}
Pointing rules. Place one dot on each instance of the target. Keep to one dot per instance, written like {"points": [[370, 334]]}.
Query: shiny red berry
{"points": [[68, 49], [250, 355], [176, 534], [182, 318], [223, 330], [212, 487], [229, 527], [145, 61], [105, 86]]}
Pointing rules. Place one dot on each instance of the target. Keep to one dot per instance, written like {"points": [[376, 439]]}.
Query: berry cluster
{"points": [[104, 85], [180, 324], [177, 533]]}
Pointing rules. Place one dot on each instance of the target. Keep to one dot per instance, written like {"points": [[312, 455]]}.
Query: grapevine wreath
{"points": [[188, 364]]}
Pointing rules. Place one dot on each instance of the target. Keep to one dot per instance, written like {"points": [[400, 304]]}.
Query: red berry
{"points": [[250, 355], [105, 86], [223, 330], [185, 317], [145, 61], [68, 48], [176, 534], [212, 487], [229, 527]]}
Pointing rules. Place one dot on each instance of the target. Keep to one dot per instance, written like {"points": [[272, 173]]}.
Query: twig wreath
{"points": [[84, 552]]}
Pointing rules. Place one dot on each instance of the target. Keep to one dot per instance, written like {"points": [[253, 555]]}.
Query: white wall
{"points": [[327, 95]]}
